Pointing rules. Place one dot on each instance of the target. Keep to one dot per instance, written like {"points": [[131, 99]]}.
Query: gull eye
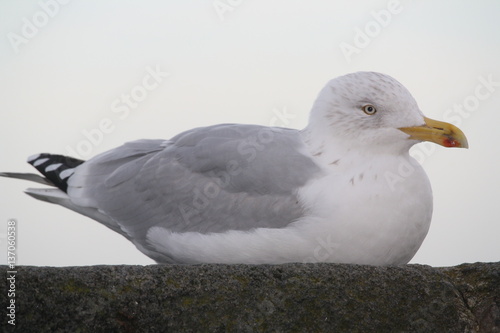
{"points": [[369, 109]]}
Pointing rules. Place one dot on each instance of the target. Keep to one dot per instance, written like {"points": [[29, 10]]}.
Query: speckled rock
{"points": [[266, 298]]}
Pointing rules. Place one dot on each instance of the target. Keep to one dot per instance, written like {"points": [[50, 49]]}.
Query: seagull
{"points": [[342, 190]]}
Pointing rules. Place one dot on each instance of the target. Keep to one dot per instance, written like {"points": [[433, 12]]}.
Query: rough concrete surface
{"points": [[247, 298]]}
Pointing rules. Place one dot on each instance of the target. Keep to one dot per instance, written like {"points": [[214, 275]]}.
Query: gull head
{"points": [[368, 109]]}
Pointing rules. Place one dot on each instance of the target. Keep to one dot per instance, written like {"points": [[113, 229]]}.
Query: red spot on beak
{"points": [[451, 143]]}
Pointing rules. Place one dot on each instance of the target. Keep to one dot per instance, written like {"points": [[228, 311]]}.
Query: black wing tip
{"points": [[56, 168]]}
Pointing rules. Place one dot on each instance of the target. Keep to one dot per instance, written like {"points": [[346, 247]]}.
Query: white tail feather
{"points": [[52, 195], [57, 196], [27, 176]]}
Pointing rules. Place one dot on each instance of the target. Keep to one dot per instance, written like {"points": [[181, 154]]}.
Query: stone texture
{"points": [[267, 298]]}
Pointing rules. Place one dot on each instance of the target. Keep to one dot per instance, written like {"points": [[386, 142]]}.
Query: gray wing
{"points": [[211, 179]]}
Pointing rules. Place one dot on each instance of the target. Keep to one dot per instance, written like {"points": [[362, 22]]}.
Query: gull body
{"points": [[343, 190]]}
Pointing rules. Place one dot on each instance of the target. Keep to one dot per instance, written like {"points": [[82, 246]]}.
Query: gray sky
{"points": [[82, 77]]}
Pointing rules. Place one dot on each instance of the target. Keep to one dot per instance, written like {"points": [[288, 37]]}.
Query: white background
{"points": [[240, 63]]}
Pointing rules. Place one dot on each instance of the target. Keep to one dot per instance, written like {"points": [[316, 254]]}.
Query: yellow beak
{"points": [[439, 132]]}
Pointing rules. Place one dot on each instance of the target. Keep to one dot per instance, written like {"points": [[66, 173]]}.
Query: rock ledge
{"points": [[266, 298]]}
